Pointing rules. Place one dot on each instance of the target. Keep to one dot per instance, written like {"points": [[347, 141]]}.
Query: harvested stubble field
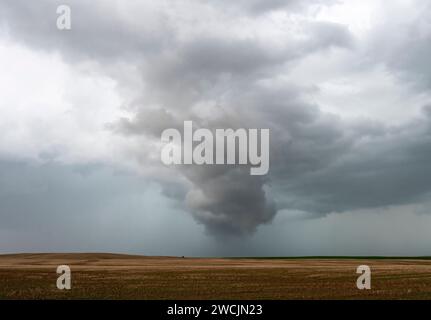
{"points": [[112, 276]]}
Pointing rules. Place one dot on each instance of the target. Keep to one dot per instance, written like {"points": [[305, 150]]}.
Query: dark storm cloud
{"points": [[228, 201], [320, 163], [391, 168]]}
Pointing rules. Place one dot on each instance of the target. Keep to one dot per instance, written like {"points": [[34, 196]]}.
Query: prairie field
{"points": [[114, 276]]}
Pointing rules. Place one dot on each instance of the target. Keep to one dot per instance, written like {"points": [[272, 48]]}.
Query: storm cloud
{"points": [[305, 71]]}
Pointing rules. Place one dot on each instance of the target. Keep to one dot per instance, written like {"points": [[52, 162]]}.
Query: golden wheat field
{"points": [[113, 276]]}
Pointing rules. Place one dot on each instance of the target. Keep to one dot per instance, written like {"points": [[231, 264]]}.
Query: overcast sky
{"points": [[343, 86]]}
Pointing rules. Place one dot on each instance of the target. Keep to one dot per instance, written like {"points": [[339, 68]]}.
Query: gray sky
{"points": [[342, 85]]}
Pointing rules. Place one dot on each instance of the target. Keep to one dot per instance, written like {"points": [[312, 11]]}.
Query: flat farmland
{"points": [[113, 276]]}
